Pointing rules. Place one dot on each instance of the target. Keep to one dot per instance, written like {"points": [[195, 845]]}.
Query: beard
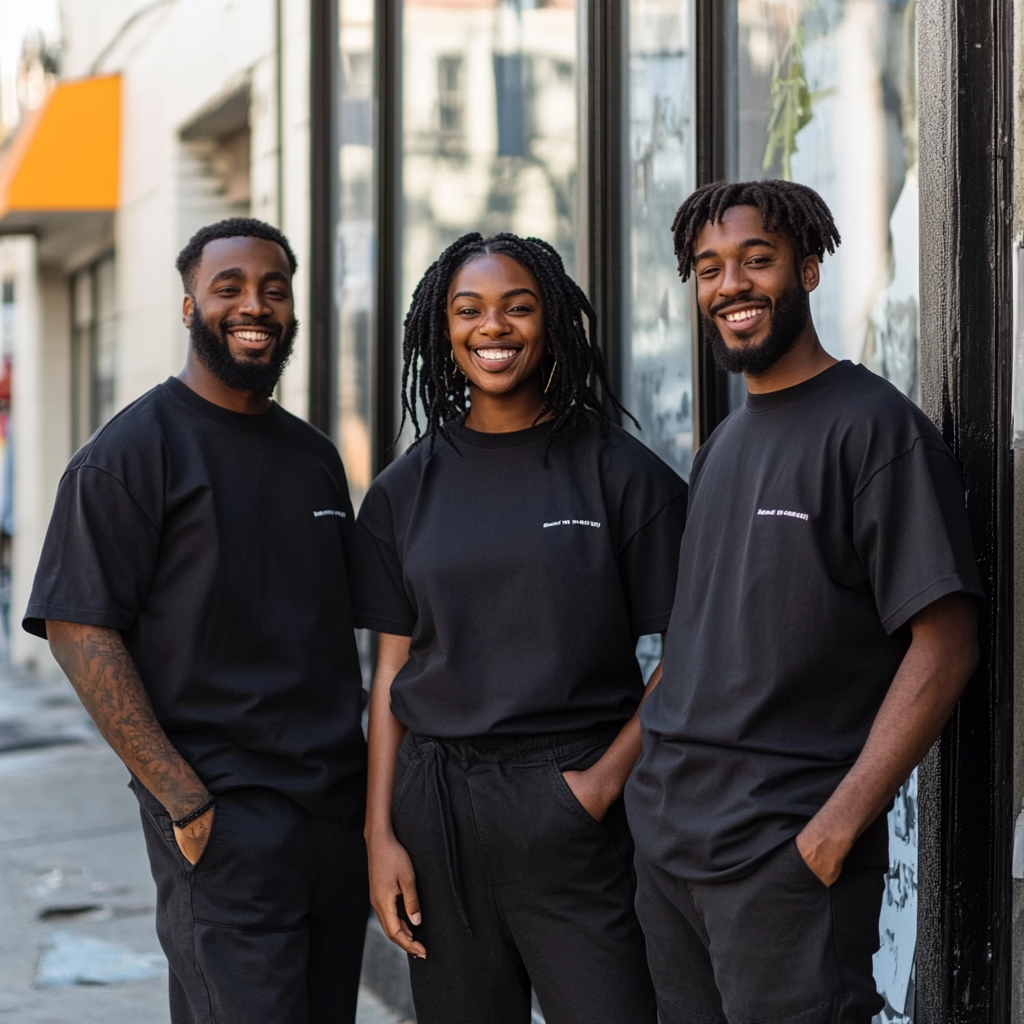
{"points": [[789, 317], [252, 375]]}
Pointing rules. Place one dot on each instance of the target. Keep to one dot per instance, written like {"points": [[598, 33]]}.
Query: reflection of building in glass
{"points": [[488, 125], [658, 362], [827, 90]]}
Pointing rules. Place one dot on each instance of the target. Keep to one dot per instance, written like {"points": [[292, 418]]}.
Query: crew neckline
{"points": [[230, 418], [507, 439], [773, 399]]}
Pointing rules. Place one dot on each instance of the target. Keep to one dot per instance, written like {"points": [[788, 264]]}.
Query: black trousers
{"points": [[268, 927], [518, 884], [776, 945]]}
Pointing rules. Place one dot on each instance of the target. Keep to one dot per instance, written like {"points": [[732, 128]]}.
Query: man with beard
{"points": [[824, 626], [193, 588]]}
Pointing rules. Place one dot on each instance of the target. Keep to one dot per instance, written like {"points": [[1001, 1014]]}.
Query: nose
{"points": [[252, 303], [734, 280], [493, 324]]}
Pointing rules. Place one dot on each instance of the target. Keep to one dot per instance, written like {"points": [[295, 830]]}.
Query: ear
{"points": [[810, 273], [188, 307]]}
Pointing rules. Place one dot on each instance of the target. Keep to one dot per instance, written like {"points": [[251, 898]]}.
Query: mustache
{"points": [[742, 300]]}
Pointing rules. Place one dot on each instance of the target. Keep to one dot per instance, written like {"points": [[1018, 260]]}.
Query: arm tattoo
{"points": [[104, 675]]}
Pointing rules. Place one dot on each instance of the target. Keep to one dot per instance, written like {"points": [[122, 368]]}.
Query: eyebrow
{"points": [[748, 243], [236, 272], [506, 295]]}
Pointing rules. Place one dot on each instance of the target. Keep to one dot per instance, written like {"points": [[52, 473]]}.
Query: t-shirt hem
{"points": [[940, 588], [383, 625], [34, 620], [647, 627]]}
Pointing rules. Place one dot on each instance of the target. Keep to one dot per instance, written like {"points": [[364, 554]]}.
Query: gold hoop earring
{"points": [[551, 377]]}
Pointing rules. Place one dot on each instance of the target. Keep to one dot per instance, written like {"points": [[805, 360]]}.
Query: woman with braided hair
{"points": [[509, 561]]}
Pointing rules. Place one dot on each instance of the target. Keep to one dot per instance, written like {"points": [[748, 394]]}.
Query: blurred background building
{"points": [[374, 132]]}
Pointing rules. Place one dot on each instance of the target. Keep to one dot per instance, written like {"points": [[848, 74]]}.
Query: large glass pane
{"points": [[488, 125], [825, 93], [657, 355], [355, 246]]}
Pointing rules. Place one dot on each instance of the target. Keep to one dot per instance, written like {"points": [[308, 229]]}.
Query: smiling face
{"points": [[752, 290], [496, 326], [241, 317]]}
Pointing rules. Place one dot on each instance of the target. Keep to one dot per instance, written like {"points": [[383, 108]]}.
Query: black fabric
{"points": [[523, 587], [518, 884], [822, 518], [775, 945], [217, 543], [269, 925]]}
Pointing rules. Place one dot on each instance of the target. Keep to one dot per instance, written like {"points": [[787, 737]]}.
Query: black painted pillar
{"points": [[965, 88]]}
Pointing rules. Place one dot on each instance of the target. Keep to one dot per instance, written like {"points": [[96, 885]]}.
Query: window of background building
{"points": [[824, 92], [657, 370], [488, 126], [93, 349], [355, 244]]}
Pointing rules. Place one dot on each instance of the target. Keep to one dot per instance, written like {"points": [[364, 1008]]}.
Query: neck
{"points": [[206, 385], [806, 359], [502, 414]]}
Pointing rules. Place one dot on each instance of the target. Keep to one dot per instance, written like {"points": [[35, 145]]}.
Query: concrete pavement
{"points": [[73, 870]]}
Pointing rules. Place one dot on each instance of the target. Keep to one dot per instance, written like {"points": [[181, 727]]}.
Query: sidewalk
{"points": [[73, 870]]}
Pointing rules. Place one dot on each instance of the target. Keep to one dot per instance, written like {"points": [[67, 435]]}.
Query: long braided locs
{"points": [[785, 206], [431, 383]]}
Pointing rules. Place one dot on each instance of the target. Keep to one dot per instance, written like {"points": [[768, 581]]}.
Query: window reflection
{"points": [[658, 364], [355, 244], [827, 95], [488, 125]]}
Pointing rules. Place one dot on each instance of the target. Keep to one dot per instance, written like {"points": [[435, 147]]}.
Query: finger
{"points": [[411, 899], [398, 932]]}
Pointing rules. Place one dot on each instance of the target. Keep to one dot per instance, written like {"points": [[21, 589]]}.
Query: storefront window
{"points": [[355, 244], [658, 359], [93, 349], [825, 93], [488, 126]]}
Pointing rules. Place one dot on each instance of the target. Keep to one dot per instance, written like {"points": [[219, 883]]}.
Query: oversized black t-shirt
{"points": [[523, 586], [217, 543], [822, 518]]}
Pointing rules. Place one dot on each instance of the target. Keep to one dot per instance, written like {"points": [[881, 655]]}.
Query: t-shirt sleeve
{"points": [[911, 532], [378, 585], [98, 557], [648, 566]]}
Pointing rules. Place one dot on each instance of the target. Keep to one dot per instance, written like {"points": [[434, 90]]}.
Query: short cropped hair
{"points": [[234, 227]]}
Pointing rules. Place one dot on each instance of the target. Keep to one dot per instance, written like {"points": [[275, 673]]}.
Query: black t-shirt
{"points": [[822, 518], [523, 586], [216, 542]]}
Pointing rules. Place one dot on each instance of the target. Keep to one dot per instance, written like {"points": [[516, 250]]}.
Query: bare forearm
{"points": [[385, 735], [107, 682], [933, 674]]}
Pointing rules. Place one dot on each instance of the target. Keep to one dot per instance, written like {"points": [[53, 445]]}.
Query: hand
{"points": [[392, 876], [192, 839], [821, 853], [592, 791]]}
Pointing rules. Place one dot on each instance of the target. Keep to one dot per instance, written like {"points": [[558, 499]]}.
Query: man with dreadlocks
{"points": [[509, 561], [823, 629]]}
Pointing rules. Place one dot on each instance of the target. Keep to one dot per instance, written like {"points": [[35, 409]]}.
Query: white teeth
{"points": [[741, 314], [252, 335], [495, 354]]}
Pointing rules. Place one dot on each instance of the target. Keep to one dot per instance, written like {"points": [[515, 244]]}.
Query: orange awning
{"points": [[65, 156]]}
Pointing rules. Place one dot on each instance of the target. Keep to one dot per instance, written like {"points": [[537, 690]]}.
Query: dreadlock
{"points": [[429, 376], [785, 206]]}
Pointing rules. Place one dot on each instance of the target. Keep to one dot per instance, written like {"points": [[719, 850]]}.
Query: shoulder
{"points": [[137, 430], [304, 435]]}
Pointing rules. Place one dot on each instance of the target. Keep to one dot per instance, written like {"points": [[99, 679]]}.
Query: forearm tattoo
{"points": [[104, 675]]}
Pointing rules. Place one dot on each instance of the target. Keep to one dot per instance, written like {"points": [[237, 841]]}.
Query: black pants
{"points": [[268, 927], [776, 945], [518, 884]]}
